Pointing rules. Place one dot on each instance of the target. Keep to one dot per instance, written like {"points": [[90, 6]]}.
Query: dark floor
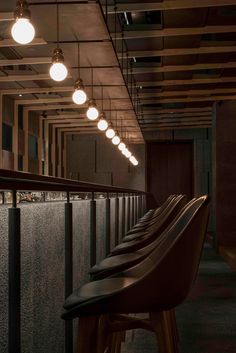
{"points": [[207, 320]]}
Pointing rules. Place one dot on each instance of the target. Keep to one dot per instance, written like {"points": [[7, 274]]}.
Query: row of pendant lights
{"points": [[23, 32]]}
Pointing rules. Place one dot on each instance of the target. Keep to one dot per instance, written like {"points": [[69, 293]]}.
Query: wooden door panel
{"points": [[169, 169]]}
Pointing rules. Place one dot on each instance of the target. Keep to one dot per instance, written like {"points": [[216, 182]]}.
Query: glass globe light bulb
{"points": [[132, 159], [102, 124], [124, 151], [79, 96], [92, 113], [58, 71], [23, 31], [128, 154], [116, 140], [110, 133], [121, 146]]}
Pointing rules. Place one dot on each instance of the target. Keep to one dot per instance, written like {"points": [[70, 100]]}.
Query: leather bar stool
{"points": [[142, 224], [142, 239], [113, 264], [141, 231], [155, 286]]}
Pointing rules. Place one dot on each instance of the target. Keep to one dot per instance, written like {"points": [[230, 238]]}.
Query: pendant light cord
{"points": [[102, 98], [57, 5], [110, 110], [78, 61], [92, 81]]}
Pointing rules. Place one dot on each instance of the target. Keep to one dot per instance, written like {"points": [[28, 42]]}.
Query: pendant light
{"points": [[110, 132], [128, 153], [22, 31], [79, 96], [58, 71], [121, 146], [102, 123], [92, 112], [133, 160], [116, 139]]}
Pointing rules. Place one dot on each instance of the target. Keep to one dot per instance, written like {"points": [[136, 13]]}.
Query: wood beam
{"points": [[173, 32], [66, 106], [177, 120], [17, 78], [172, 116], [26, 61], [148, 111], [194, 81], [171, 127], [180, 51], [62, 100], [167, 5], [177, 68], [6, 16], [11, 43], [188, 93], [190, 99], [58, 89]]}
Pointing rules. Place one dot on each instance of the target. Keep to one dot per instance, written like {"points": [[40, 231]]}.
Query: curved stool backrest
{"points": [[165, 277]]}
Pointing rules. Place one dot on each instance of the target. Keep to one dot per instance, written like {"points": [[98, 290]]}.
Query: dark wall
{"points": [[225, 172]]}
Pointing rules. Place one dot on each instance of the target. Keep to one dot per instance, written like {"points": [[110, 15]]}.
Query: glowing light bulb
{"points": [[110, 133], [102, 124], [79, 96], [122, 146], [23, 31], [58, 72], [133, 160], [128, 154], [92, 113], [116, 140], [124, 151]]}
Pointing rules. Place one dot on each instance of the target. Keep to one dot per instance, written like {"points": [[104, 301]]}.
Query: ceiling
{"points": [[183, 58], [24, 69], [176, 56]]}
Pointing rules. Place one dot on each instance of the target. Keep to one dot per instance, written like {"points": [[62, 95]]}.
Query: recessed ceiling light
{"points": [[20, 95]]}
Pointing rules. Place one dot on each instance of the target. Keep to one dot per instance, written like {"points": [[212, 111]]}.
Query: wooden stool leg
{"points": [[160, 324], [87, 334], [174, 330], [103, 336]]}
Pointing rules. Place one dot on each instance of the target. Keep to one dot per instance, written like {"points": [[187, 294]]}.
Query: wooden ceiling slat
{"points": [[174, 32], [183, 115], [194, 81], [180, 51], [11, 43], [167, 5], [178, 68], [26, 61], [192, 99], [175, 110], [188, 93], [201, 126], [171, 120]]}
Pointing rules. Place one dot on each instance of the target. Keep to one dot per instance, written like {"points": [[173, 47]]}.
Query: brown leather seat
{"points": [[113, 264], [156, 285]]}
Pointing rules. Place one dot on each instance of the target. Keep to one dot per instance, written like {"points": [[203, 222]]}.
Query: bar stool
{"points": [[113, 264], [142, 239], [155, 286]]}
